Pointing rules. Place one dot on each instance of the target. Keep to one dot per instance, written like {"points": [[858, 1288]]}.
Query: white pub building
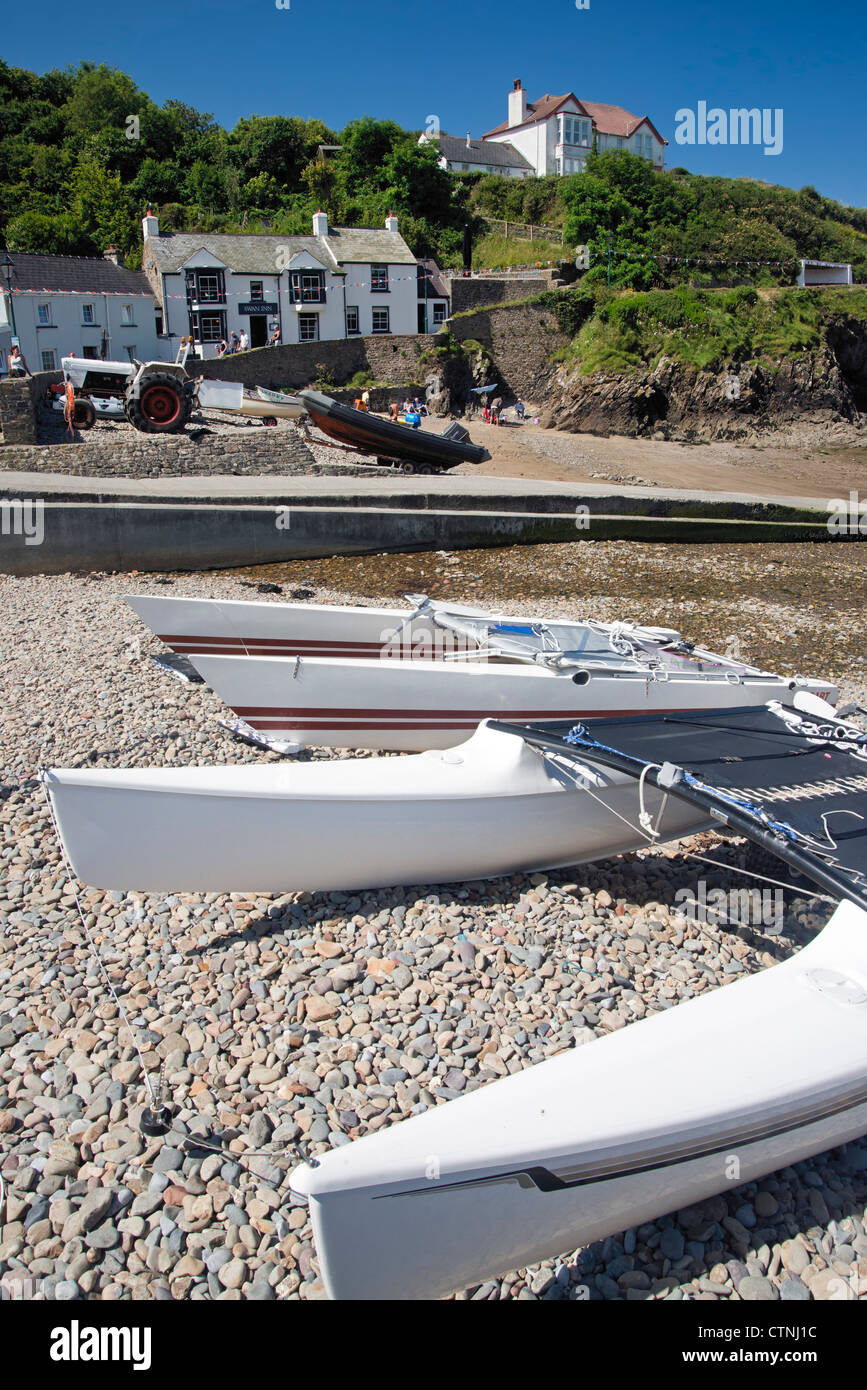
{"points": [[340, 282]]}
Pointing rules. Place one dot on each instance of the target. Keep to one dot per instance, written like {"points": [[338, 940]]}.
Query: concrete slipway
{"points": [[184, 523]]}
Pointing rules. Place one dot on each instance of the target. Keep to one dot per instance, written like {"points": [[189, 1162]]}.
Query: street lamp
{"points": [[7, 268]]}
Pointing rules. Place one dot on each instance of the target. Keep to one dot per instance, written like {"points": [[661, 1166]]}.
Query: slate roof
{"points": [[246, 254], [74, 274], [438, 286], [498, 152], [258, 254]]}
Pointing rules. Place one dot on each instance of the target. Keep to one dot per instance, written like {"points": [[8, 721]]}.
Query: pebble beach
{"points": [[281, 1026]]}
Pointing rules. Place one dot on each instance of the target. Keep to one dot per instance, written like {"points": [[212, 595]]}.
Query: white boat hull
{"points": [[413, 705], [492, 807], [226, 626], [718, 1091]]}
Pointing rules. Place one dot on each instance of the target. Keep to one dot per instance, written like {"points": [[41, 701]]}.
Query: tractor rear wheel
{"points": [[162, 405]]}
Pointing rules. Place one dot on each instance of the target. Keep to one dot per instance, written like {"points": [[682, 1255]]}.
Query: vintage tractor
{"points": [[156, 397]]}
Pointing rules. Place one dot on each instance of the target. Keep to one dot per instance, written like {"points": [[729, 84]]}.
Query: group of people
{"points": [[240, 342], [493, 414], [409, 407]]}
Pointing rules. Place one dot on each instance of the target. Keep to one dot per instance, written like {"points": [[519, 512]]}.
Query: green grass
{"points": [[491, 252], [705, 329]]}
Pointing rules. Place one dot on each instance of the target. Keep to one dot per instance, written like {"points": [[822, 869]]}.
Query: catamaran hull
{"points": [[413, 705], [228, 626], [663, 1113], [492, 807]]}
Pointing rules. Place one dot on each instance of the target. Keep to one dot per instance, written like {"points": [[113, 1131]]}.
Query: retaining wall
{"points": [[474, 294], [129, 454], [521, 339], [18, 402]]}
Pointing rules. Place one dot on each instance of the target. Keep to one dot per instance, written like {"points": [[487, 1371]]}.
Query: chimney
{"points": [[112, 254], [150, 226], [469, 143], [391, 223], [517, 103], [320, 223]]}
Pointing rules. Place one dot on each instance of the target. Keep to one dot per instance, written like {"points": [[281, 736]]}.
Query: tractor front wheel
{"points": [[162, 405]]}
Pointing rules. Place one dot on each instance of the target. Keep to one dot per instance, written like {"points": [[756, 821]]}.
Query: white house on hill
{"points": [[338, 283], [556, 133]]}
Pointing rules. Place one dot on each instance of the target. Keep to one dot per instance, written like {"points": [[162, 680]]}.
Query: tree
{"points": [[57, 235], [101, 99]]}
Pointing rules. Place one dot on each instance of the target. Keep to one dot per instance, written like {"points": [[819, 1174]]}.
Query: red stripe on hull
{"points": [[434, 720]]}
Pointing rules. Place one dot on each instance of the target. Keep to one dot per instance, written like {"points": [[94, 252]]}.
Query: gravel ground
{"points": [[316, 1018]]}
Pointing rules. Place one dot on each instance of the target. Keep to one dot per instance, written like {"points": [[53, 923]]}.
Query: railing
{"points": [[535, 273], [524, 231]]}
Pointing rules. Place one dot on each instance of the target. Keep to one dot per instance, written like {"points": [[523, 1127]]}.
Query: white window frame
{"points": [[440, 313], [378, 271], [216, 329], [43, 315], [353, 309], [87, 314], [305, 322], [90, 353], [127, 317], [379, 309], [49, 365]]}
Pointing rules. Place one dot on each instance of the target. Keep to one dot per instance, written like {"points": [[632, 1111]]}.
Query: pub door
{"points": [[258, 330]]}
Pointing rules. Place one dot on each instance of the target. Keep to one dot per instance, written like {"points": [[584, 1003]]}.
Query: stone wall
{"points": [[393, 358], [18, 402], [473, 294], [521, 339], [133, 455]]}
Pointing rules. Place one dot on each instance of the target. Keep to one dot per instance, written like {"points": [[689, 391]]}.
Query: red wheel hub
{"points": [[160, 404]]}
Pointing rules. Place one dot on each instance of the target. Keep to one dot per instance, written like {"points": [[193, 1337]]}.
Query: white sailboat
{"points": [[390, 679]]}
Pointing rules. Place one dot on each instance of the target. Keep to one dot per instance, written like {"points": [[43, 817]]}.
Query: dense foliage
{"points": [[77, 171], [83, 151], [649, 219], [613, 331]]}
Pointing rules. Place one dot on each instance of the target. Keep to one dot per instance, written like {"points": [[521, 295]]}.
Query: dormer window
{"points": [[307, 286]]}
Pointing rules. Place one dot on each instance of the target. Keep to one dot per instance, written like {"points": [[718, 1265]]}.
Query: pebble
{"points": [[309, 1018]]}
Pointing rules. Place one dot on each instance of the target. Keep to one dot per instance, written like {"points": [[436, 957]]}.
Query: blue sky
{"points": [[338, 59]]}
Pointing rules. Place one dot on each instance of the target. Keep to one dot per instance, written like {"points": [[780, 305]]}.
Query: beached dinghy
{"points": [[646, 1120], [414, 450], [518, 668]]}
